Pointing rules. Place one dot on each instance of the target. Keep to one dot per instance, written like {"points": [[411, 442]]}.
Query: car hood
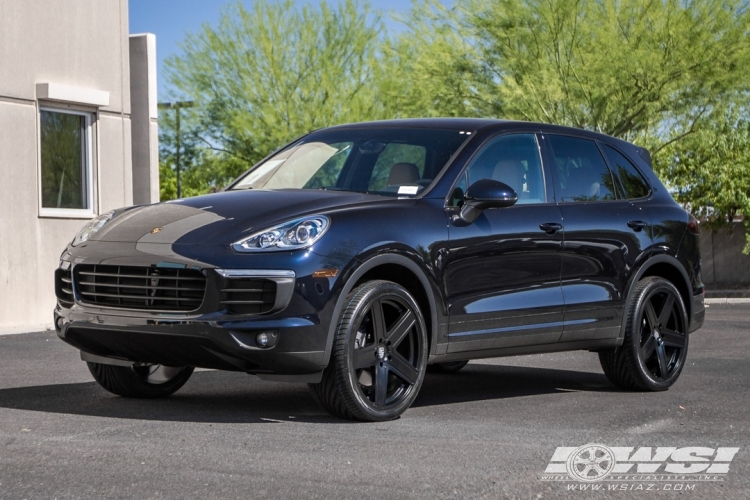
{"points": [[223, 218]]}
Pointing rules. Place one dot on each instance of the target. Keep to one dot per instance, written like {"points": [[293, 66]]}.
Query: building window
{"points": [[65, 153]]}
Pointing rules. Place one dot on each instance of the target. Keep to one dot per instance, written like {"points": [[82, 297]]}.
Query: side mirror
{"points": [[484, 194]]}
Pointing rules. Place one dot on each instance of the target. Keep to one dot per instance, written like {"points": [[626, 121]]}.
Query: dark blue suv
{"points": [[359, 257]]}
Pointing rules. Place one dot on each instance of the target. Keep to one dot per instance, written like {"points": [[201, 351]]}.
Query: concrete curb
{"points": [[28, 329], [728, 300]]}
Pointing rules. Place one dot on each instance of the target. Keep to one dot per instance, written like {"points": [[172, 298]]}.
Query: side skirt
{"points": [[586, 345]]}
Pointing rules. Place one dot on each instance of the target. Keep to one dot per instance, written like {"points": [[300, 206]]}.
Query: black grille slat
{"points": [[63, 288], [94, 294], [144, 288], [183, 288], [137, 276], [233, 302], [249, 295]]}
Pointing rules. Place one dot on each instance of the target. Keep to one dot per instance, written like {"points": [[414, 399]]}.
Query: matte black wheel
{"points": [[379, 355], [140, 380], [450, 367], [656, 340]]}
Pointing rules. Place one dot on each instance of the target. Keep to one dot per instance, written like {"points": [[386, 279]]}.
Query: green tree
{"points": [[262, 77], [203, 169], [624, 68], [709, 170]]}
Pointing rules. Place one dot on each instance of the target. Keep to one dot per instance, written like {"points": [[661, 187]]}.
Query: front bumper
{"points": [[199, 342], [211, 336]]}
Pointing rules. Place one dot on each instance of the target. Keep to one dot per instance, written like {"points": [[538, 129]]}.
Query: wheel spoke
{"points": [[378, 320], [400, 328], [662, 360], [672, 339], [651, 315], [364, 357], [381, 384], [647, 349], [159, 374], [403, 369], [666, 310]]}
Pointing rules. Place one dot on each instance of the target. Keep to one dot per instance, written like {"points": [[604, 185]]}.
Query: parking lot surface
{"points": [[488, 431]]}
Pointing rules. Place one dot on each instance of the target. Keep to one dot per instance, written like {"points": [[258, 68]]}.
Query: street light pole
{"points": [[177, 105]]}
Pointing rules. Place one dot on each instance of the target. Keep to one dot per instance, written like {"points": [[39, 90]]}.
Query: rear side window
{"points": [[582, 173], [630, 182]]}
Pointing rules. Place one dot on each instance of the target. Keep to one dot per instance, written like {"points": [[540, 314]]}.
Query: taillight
{"points": [[693, 226]]}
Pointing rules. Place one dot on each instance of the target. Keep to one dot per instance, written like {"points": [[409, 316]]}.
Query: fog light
{"points": [[262, 339]]}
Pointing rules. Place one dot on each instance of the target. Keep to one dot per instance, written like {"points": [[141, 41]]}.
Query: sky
{"points": [[169, 20]]}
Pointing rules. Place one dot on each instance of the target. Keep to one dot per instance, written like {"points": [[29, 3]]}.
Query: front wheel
{"points": [[379, 355], [140, 380], [655, 346]]}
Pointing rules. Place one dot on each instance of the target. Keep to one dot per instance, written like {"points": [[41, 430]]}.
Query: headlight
{"points": [[299, 233], [92, 227]]}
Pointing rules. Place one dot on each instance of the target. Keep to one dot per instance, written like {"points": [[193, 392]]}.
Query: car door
{"points": [[606, 236], [502, 272]]}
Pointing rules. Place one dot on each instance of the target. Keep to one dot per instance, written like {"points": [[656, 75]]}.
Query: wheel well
{"points": [[673, 275], [407, 279]]}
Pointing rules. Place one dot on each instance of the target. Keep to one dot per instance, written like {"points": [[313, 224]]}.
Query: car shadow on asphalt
{"points": [[226, 397]]}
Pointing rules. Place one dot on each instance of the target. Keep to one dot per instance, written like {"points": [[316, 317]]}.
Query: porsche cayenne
{"points": [[359, 257]]}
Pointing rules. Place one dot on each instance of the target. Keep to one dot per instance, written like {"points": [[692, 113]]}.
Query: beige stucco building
{"points": [[78, 137]]}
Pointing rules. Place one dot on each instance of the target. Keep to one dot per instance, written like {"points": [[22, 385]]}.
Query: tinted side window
{"points": [[582, 174], [631, 182], [514, 160]]}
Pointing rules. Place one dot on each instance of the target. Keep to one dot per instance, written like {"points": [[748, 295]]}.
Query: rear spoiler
{"points": [[643, 153]]}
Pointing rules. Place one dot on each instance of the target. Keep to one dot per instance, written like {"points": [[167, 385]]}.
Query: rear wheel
{"points": [[140, 380], [450, 367], [379, 355], [655, 346]]}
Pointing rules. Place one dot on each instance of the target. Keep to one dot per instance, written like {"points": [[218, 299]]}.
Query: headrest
{"points": [[403, 173], [512, 173]]}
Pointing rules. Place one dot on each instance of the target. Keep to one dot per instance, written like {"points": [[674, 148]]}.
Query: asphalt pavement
{"points": [[488, 431]]}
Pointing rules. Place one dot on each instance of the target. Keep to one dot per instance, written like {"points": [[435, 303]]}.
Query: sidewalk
{"points": [[728, 293]]}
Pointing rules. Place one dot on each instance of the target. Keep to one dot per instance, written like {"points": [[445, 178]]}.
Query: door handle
{"points": [[550, 227], [637, 225]]}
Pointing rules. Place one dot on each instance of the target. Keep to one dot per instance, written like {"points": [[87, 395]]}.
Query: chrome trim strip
{"points": [[255, 273], [284, 279], [92, 358], [524, 327]]}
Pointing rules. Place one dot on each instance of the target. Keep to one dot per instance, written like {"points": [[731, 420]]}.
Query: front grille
{"points": [[64, 288], [144, 288], [249, 295]]}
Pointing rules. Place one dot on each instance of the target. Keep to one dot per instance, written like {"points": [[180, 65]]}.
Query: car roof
{"points": [[497, 125], [444, 123], [466, 124]]}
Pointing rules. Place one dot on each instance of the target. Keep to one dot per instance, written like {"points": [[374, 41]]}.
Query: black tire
{"points": [[449, 367], [655, 345], [140, 381], [379, 355]]}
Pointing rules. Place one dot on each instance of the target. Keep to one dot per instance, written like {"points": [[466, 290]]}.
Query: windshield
{"points": [[380, 160]]}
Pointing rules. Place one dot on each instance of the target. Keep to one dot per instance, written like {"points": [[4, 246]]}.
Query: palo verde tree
{"points": [[264, 76], [624, 68]]}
